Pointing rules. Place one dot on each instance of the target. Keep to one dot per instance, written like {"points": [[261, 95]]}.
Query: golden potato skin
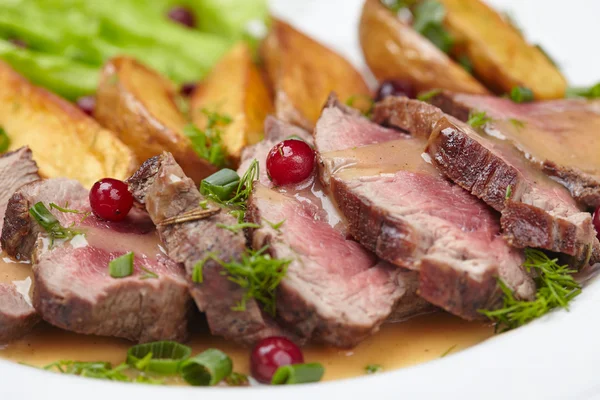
{"points": [[139, 105], [501, 57], [393, 50], [65, 141], [303, 72], [236, 88]]}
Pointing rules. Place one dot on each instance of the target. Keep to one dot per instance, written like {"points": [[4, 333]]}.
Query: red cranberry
{"points": [[270, 354], [395, 87], [290, 161], [183, 16], [596, 222], [187, 89], [110, 199], [87, 104]]}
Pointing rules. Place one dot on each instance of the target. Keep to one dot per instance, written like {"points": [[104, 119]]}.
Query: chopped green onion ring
{"points": [[221, 184], [163, 358], [207, 368], [298, 373], [121, 267]]}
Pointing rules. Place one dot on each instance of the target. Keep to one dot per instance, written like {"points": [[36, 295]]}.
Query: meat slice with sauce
{"points": [[167, 193], [73, 289], [17, 315], [560, 136], [335, 291], [536, 210], [400, 207]]}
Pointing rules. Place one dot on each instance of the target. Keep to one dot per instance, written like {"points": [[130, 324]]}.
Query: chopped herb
{"points": [[122, 266], [148, 274], [592, 92], [508, 192], [221, 185], [520, 94], [426, 96], [444, 354], [428, 18], [478, 119], [256, 272], [164, 357], [517, 123], [373, 368], [207, 368], [101, 370], [298, 373], [237, 379], [238, 227], [197, 276], [545, 53], [51, 225], [65, 209], [556, 287], [203, 204], [362, 102], [275, 225], [207, 143], [465, 62], [4, 141], [397, 5]]}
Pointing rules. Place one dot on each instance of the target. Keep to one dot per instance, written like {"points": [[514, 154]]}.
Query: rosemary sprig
{"points": [[256, 272], [556, 288]]}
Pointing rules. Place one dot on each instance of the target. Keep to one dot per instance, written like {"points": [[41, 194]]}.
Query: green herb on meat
{"points": [[428, 95], [207, 143], [556, 287], [238, 227], [520, 94], [477, 119], [121, 267], [148, 274], [101, 370], [592, 92], [275, 225], [51, 225], [508, 192], [361, 102]]}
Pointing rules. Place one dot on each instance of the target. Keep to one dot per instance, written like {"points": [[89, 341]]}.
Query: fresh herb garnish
{"points": [[298, 373], [520, 94], [203, 204], [592, 92], [237, 198], [428, 95], [508, 192], [4, 141], [556, 287], [221, 185], [361, 102], [148, 274], [478, 119], [238, 227], [448, 351], [373, 368], [101, 370], [122, 266], [207, 368], [163, 357], [51, 225], [207, 143], [256, 272], [428, 16], [65, 209], [275, 225], [237, 379], [517, 123], [397, 5]]}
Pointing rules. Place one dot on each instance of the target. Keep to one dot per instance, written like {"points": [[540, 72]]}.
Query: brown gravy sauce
{"points": [[397, 345]]}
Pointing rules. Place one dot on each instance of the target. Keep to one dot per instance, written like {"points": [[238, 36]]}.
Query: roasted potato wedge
{"points": [[501, 57], [65, 142], [303, 73], [139, 105], [235, 88], [393, 50]]}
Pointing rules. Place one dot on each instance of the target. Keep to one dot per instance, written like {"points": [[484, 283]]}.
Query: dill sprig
{"points": [[208, 143], [100, 370], [556, 288], [238, 227], [256, 272], [478, 119]]}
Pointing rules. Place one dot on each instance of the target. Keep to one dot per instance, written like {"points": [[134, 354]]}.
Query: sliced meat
{"points": [[536, 210], [17, 316], [400, 207], [321, 298], [162, 186], [560, 136], [73, 289]]}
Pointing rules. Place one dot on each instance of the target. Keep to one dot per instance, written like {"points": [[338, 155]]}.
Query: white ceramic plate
{"points": [[556, 357]]}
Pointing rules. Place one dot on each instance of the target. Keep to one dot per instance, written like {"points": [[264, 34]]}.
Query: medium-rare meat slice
{"points": [[335, 291], [400, 207], [73, 289], [161, 185], [561, 136], [536, 211], [17, 316]]}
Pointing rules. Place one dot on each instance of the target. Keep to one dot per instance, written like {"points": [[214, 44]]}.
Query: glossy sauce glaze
{"points": [[398, 345]]}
